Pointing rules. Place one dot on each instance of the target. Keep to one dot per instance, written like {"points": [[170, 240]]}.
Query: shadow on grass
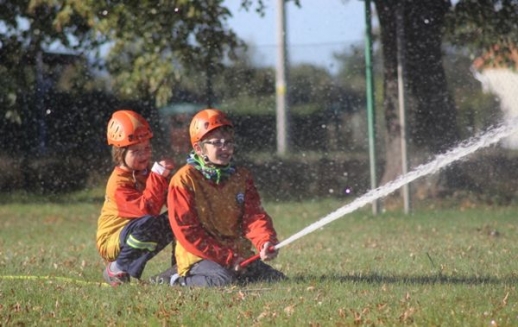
{"points": [[374, 278]]}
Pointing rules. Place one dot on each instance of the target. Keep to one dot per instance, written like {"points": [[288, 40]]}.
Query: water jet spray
{"points": [[491, 136]]}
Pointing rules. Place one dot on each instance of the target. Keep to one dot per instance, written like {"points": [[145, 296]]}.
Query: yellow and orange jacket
{"points": [[129, 195], [218, 222]]}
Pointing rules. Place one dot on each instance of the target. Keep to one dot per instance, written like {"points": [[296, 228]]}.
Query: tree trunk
{"points": [[430, 110], [387, 18], [434, 119]]}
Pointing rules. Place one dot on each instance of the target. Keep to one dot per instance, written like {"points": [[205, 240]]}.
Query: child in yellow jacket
{"points": [[131, 229], [215, 212]]}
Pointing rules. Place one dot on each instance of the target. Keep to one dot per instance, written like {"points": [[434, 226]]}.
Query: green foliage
{"points": [[351, 74], [242, 78], [440, 267], [152, 42], [488, 25], [310, 84], [29, 29], [352, 67], [146, 46], [248, 105]]}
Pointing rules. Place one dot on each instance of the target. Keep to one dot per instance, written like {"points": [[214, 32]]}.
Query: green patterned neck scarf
{"points": [[216, 174]]}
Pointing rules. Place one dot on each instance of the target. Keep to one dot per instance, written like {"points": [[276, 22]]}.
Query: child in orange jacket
{"points": [[131, 229], [215, 212]]}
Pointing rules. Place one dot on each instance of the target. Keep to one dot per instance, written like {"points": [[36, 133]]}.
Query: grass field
{"points": [[447, 267]]}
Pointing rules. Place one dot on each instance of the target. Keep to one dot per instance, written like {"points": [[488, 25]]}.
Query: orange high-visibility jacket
{"points": [[127, 197], [218, 222]]}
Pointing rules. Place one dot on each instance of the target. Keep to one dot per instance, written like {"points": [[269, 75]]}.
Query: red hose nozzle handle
{"points": [[248, 261]]}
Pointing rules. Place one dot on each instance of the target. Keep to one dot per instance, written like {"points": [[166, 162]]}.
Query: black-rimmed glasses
{"points": [[221, 143]]}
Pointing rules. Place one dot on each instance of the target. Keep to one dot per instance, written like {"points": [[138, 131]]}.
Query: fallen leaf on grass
{"points": [[504, 301], [342, 313], [263, 314], [289, 310], [381, 306], [241, 295], [407, 315]]}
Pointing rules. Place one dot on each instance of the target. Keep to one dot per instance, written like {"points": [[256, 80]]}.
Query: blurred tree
{"points": [[238, 87], [485, 26], [27, 30], [351, 67], [143, 45], [310, 84], [242, 77], [431, 112], [151, 42], [431, 115], [475, 108]]}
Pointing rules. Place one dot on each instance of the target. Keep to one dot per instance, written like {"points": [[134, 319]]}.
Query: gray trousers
{"points": [[207, 273]]}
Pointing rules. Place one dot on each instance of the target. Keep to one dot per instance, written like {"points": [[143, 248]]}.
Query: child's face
{"points": [[218, 146], [138, 155]]}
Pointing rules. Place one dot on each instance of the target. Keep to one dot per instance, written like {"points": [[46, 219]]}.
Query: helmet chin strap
{"points": [[207, 161], [125, 165], [203, 155]]}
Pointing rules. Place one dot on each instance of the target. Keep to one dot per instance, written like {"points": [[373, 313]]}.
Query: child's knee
{"points": [[222, 277]]}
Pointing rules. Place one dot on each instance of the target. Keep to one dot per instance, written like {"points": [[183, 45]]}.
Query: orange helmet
{"points": [[205, 121], [126, 127]]}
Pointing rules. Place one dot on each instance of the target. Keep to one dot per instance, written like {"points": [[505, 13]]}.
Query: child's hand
{"points": [[167, 164], [268, 252], [163, 167]]}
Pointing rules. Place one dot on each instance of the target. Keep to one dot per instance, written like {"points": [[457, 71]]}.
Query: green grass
{"points": [[437, 267]]}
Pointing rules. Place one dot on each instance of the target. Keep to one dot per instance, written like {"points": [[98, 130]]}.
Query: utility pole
{"points": [[281, 81], [400, 30]]}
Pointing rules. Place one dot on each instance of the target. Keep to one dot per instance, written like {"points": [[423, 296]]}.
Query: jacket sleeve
{"points": [[133, 203], [189, 231], [257, 224]]}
